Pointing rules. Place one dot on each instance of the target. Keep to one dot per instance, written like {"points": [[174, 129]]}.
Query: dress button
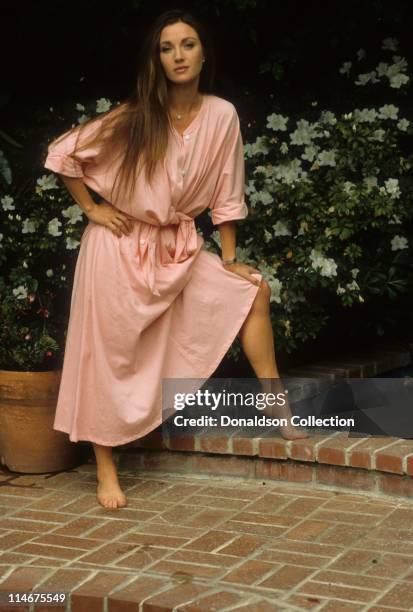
{"points": [[142, 241], [187, 137], [183, 172]]}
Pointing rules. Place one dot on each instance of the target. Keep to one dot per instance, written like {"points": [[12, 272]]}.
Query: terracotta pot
{"points": [[28, 442]]}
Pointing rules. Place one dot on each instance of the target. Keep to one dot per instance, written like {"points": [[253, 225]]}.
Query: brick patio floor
{"points": [[201, 543]]}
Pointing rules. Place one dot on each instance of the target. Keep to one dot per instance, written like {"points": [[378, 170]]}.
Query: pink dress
{"points": [[153, 304]]}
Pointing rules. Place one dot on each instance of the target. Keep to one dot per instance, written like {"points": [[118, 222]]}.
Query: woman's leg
{"points": [[109, 493], [257, 341]]}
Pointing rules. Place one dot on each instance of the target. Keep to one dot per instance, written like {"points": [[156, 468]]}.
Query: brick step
{"points": [[291, 459]]}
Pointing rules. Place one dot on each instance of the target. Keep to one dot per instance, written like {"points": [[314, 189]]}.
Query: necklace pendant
{"points": [[179, 116]]}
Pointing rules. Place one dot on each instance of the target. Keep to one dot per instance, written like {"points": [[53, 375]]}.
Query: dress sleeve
{"points": [[62, 157], [228, 200]]}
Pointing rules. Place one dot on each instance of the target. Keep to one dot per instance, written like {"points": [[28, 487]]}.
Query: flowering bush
{"points": [[330, 198], [40, 230]]}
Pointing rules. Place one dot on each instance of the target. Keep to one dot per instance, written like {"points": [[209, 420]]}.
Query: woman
{"points": [[148, 301]]}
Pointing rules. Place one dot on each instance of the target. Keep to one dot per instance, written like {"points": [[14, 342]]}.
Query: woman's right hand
{"points": [[112, 218]]}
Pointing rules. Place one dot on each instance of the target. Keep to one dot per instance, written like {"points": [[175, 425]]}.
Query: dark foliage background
{"points": [[271, 55], [56, 50]]}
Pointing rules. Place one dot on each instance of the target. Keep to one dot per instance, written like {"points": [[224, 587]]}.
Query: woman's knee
{"points": [[262, 299], [265, 290]]}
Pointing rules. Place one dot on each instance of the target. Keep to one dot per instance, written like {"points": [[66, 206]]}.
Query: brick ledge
{"points": [[382, 456], [259, 468]]}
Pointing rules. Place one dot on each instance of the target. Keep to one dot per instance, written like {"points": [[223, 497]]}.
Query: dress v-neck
{"points": [[194, 120]]}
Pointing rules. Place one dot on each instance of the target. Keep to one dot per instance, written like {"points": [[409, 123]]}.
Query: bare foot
{"points": [[109, 493], [293, 432], [289, 431]]}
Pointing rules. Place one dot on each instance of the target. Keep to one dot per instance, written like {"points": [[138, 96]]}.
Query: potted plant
{"points": [[40, 230]]}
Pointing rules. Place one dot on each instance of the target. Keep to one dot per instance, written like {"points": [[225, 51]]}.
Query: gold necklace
{"points": [[180, 115]]}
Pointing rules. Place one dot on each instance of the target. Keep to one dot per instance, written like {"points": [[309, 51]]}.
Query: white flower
{"points": [[327, 158], [47, 182], [266, 170], [244, 254], [388, 111], [7, 202], [390, 44], [259, 147], [397, 80], [394, 72], [303, 228], [340, 290], [354, 272], [289, 173], [53, 227], [29, 227], [392, 187], [216, 237], [310, 152], [80, 107], [382, 69], [248, 150], [398, 243], [378, 135], [403, 124], [367, 115], [348, 186], [361, 54], [281, 229], [71, 243], [363, 79], [83, 118], [49, 272], [275, 286], [267, 236], [370, 182], [1, 237], [250, 187], [277, 122], [395, 220], [304, 133], [353, 286], [326, 266], [284, 148], [20, 292], [328, 117], [345, 68], [103, 105], [73, 214], [263, 196]]}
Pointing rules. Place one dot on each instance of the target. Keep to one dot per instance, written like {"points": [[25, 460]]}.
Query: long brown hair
{"points": [[138, 128]]}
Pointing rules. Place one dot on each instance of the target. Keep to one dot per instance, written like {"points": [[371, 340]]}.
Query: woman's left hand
{"points": [[243, 270]]}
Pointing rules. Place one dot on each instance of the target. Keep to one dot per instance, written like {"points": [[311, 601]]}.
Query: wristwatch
{"points": [[229, 261]]}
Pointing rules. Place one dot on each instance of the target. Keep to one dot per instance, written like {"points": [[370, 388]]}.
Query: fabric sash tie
{"points": [[153, 238]]}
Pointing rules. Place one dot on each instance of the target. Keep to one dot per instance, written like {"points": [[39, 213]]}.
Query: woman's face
{"points": [[179, 46]]}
